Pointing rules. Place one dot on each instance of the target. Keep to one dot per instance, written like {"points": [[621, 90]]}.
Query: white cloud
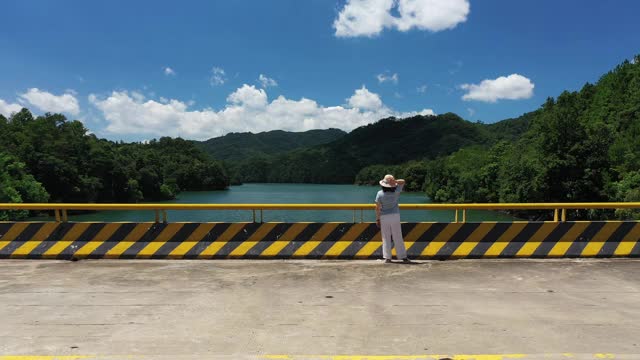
{"points": [[370, 17], [169, 71], [364, 99], [218, 76], [249, 97], [248, 109], [137, 96], [363, 18], [425, 112], [512, 87], [471, 112], [382, 78], [7, 109], [421, 89], [46, 101], [267, 81], [431, 15]]}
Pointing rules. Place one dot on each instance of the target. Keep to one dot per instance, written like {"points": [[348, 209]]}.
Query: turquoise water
{"points": [[288, 194]]}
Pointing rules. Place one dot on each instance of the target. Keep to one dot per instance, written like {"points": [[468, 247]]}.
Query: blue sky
{"points": [[323, 63]]}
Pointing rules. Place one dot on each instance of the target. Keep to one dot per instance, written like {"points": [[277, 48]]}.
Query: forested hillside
{"points": [[48, 158], [582, 146], [240, 146], [388, 141]]}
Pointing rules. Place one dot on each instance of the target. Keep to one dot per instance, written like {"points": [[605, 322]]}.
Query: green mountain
{"points": [[240, 146], [392, 141], [511, 129], [49, 158], [388, 141], [581, 146]]}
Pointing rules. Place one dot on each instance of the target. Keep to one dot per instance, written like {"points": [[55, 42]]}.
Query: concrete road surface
{"points": [[301, 310]]}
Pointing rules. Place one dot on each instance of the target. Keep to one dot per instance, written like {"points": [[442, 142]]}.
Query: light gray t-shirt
{"points": [[389, 201]]}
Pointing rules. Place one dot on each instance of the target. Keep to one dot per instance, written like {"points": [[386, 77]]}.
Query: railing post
{"points": [[464, 215], [564, 215], [157, 215], [261, 216], [254, 215], [164, 216], [57, 213], [456, 217], [65, 217], [354, 216], [555, 215]]}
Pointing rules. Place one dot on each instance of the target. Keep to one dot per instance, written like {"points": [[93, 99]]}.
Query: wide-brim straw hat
{"points": [[385, 183]]}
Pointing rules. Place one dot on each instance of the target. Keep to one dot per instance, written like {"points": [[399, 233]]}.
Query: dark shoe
{"points": [[406, 261], [387, 261]]}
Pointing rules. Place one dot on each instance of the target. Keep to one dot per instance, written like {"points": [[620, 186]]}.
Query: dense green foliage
{"points": [[17, 186], [511, 129], [583, 146], [413, 172], [416, 170], [388, 141], [74, 166], [240, 146]]}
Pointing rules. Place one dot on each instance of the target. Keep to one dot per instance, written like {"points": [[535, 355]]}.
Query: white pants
{"points": [[390, 228]]}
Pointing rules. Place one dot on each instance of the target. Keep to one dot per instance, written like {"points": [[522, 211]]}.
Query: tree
{"points": [[74, 166], [17, 186]]}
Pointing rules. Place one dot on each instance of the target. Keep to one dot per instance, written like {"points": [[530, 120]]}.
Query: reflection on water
{"points": [[288, 194]]}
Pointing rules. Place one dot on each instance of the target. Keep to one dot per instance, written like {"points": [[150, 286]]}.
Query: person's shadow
{"points": [[411, 262]]}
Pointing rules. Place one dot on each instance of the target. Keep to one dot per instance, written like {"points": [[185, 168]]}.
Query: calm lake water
{"points": [[288, 194]]}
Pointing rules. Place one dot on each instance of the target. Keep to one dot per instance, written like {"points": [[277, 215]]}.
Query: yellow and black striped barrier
{"points": [[64, 240]]}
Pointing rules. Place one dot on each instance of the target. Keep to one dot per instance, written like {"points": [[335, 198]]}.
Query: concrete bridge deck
{"points": [[157, 309]]}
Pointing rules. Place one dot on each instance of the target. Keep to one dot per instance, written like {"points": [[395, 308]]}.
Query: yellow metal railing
{"points": [[559, 209]]}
